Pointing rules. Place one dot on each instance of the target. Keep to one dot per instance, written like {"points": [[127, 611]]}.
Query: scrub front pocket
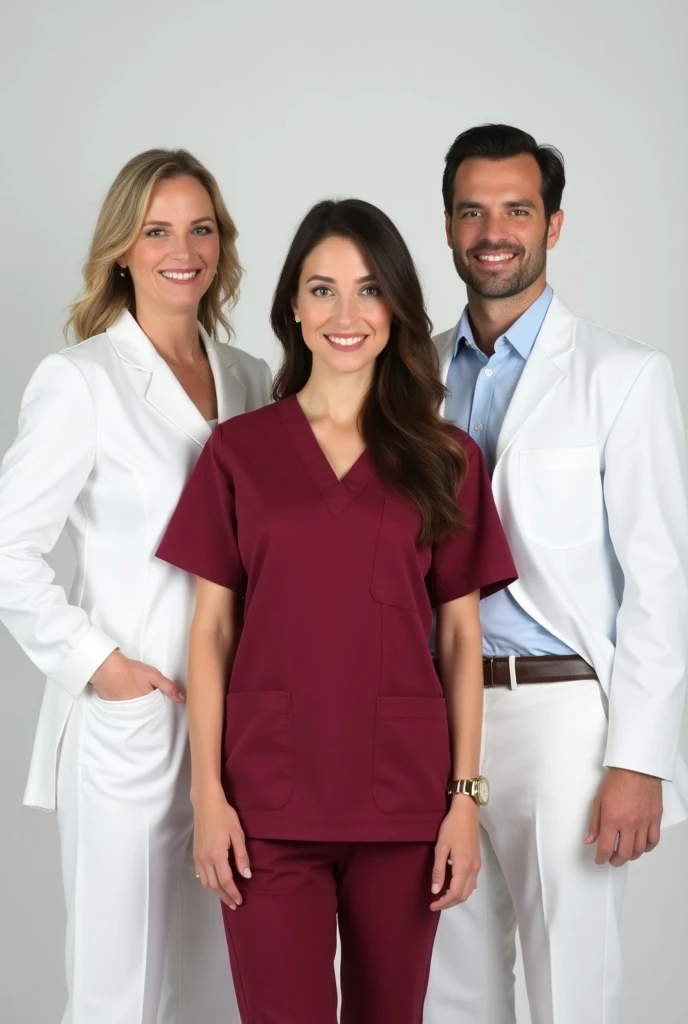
{"points": [[412, 760], [258, 749]]}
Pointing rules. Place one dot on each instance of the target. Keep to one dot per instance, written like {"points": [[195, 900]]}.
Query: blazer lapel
{"points": [[164, 392], [546, 367], [445, 348], [229, 389]]}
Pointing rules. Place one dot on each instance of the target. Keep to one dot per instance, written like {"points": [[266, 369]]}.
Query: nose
{"points": [[346, 311], [180, 248]]}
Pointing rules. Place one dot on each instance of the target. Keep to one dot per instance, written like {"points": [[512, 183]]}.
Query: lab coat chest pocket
{"points": [[560, 496], [399, 566]]}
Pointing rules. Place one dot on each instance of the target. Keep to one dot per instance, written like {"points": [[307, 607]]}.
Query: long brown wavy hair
{"points": [[106, 293], [412, 447]]}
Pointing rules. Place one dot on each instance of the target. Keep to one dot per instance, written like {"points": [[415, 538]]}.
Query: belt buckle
{"points": [[492, 678]]}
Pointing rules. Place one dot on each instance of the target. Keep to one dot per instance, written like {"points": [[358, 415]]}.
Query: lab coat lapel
{"points": [[164, 392], [230, 391], [545, 368]]}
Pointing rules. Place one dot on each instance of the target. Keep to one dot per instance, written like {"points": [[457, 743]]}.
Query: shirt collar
{"points": [[522, 335]]}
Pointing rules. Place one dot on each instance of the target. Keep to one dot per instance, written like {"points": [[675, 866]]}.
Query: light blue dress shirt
{"points": [[480, 390]]}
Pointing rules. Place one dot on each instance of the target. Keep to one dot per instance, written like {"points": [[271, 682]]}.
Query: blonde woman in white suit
{"points": [[109, 431]]}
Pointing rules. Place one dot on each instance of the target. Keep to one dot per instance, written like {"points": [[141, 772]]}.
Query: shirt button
{"points": [[488, 373], [478, 426]]}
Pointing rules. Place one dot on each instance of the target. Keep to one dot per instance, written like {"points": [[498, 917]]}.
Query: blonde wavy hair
{"points": [[106, 293]]}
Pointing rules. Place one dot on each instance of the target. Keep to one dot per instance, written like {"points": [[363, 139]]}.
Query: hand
{"points": [[458, 844], [216, 832], [120, 678], [626, 817]]}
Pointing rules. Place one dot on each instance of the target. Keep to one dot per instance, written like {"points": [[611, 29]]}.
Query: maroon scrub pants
{"points": [[282, 939]]}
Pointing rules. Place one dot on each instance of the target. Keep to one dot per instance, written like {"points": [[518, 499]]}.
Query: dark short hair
{"points": [[499, 142]]}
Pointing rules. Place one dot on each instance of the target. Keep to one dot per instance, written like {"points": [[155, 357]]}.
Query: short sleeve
{"points": [[201, 537], [478, 557]]}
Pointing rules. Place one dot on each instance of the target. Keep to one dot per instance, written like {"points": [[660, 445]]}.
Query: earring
{"points": [[121, 272], [297, 318]]}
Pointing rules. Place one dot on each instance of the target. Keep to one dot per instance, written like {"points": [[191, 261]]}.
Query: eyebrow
{"points": [[511, 204], [331, 280], [167, 224]]}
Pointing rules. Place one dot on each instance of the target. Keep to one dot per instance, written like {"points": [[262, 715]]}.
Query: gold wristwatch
{"points": [[477, 789]]}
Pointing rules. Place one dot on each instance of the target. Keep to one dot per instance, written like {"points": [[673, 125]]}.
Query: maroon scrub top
{"points": [[336, 723]]}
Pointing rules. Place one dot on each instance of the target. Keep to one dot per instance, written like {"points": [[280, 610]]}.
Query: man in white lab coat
{"points": [[585, 655]]}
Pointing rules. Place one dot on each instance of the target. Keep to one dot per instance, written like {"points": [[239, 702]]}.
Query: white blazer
{"points": [[591, 487], [107, 439]]}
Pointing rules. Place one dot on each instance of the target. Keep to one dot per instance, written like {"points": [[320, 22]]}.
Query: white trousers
{"points": [[543, 747], [145, 942]]}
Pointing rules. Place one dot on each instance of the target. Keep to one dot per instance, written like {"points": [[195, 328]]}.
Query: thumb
{"points": [[161, 682], [594, 823]]}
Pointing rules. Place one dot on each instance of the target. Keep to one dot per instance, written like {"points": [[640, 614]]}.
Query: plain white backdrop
{"points": [[288, 103]]}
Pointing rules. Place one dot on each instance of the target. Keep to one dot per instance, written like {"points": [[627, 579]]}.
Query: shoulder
{"points": [[243, 364], [465, 441], [249, 426], [444, 341], [607, 345]]}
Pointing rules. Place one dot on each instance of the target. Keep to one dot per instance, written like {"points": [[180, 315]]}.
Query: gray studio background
{"points": [[288, 102]]}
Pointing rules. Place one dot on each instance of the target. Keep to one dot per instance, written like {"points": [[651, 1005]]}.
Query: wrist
{"points": [[206, 789], [111, 668]]}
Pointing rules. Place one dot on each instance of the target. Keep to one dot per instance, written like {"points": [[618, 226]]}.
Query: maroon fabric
{"points": [[336, 721], [282, 939]]}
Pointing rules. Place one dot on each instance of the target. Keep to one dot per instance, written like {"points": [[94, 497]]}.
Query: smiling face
{"points": [[173, 261], [344, 319], [498, 230]]}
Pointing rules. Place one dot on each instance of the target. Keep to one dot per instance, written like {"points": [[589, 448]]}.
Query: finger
{"points": [[654, 834], [241, 858], [170, 689], [439, 869], [640, 844], [594, 823], [228, 891], [624, 848], [606, 844], [469, 888], [452, 894], [208, 870]]}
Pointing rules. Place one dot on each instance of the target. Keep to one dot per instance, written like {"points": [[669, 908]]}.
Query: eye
{"points": [[372, 290], [320, 291], [470, 214], [203, 229], [520, 213], [155, 233]]}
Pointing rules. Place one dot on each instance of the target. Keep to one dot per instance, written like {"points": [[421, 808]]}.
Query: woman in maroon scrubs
{"points": [[328, 525]]}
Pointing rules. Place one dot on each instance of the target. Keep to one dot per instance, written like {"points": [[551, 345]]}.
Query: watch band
{"points": [[477, 789]]}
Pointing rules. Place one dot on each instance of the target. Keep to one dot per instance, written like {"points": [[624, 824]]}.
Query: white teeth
{"points": [[496, 258], [176, 275], [345, 342]]}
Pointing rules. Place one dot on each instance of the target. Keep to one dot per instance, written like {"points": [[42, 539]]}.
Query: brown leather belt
{"points": [[548, 668]]}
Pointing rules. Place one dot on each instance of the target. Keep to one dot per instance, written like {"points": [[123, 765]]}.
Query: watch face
{"points": [[483, 790]]}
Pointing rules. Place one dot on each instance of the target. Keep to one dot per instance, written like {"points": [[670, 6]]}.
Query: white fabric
{"points": [[107, 439], [125, 829], [597, 521], [542, 752]]}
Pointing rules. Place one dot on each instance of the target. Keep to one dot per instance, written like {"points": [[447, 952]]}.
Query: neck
{"points": [[173, 335], [491, 318], [334, 396]]}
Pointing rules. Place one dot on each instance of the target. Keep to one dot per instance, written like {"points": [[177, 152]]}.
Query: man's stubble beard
{"points": [[530, 269]]}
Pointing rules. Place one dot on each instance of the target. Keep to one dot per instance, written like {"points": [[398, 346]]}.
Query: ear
{"points": [[556, 223], [448, 229]]}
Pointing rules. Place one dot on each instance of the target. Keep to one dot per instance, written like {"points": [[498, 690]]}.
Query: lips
{"points": [[180, 276], [346, 342]]}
